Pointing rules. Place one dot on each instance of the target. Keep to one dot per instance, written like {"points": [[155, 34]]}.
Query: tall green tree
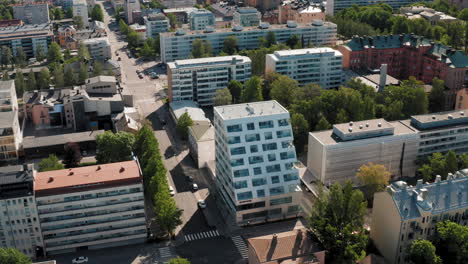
{"points": [[97, 14], [114, 147], [451, 241], [168, 215], [83, 74], [337, 221], [13, 256], [146, 51], [437, 96], [374, 177], [451, 162], [283, 90], [54, 53], [43, 80], [40, 56], [300, 128], [235, 88], [230, 45], [67, 54], [423, 252], [268, 80], [172, 20], [198, 48], [32, 85], [20, 58], [294, 42], [123, 27], [72, 156], [58, 76], [20, 84], [50, 163], [69, 12], [83, 52], [7, 56], [97, 68], [270, 38], [322, 124], [184, 122], [78, 22], [222, 97], [69, 76], [253, 90]]}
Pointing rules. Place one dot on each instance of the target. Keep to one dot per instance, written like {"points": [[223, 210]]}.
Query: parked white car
{"points": [[171, 190], [80, 260], [201, 204]]}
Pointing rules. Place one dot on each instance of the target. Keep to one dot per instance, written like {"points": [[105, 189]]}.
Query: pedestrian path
{"points": [[201, 235], [165, 252], [241, 246]]}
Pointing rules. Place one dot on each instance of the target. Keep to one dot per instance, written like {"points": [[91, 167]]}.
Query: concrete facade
{"points": [[131, 7], [247, 17], [178, 45], [32, 13], [256, 179], [200, 19], [28, 37], [80, 8], [405, 213], [198, 79], [99, 48], [155, 24], [322, 66], [10, 132]]}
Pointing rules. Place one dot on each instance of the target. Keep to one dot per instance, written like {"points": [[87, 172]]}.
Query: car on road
{"points": [[201, 204], [153, 75], [194, 187], [171, 190], [80, 260], [140, 76]]}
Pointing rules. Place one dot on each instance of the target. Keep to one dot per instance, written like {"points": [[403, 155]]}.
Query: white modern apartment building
{"points": [[19, 221], [404, 213], [334, 6], [200, 19], [198, 79], [178, 45], [99, 48], [336, 155], [32, 13], [256, 179], [91, 207], [323, 66], [80, 8], [247, 17], [155, 24], [10, 132]]}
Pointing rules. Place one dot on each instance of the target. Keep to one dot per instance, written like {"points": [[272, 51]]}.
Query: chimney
{"points": [[122, 169], [438, 178], [383, 77]]}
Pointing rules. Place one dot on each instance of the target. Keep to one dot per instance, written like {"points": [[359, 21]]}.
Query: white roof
{"points": [[217, 60], [295, 52], [248, 110], [310, 9], [195, 112]]}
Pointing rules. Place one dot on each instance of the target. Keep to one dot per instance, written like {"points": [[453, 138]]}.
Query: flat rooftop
{"points": [[62, 139], [363, 126], [26, 31], [190, 107], [16, 174], [96, 40], [442, 119], [101, 176], [7, 118], [248, 110], [302, 52], [211, 60]]}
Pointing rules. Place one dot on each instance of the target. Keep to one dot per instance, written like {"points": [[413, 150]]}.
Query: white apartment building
{"points": [[10, 132], [91, 207], [131, 7], [323, 66], [405, 213], [247, 17], [80, 8], [155, 24], [178, 45], [200, 19], [336, 155], [99, 48], [256, 180], [334, 6], [198, 79], [19, 221]]}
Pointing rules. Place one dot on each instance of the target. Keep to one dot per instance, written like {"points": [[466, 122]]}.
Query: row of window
{"points": [[261, 125]]}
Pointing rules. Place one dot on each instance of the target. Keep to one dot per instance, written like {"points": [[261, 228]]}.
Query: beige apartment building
{"points": [[298, 11], [405, 213]]}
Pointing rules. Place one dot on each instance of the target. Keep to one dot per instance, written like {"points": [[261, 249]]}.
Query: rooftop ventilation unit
{"points": [[433, 117], [180, 32], [462, 113], [317, 22], [264, 25], [360, 126], [450, 117], [209, 29], [379, 124], [237, 28], [350, 129], [367, 124], [291, 24], [351, 123]]}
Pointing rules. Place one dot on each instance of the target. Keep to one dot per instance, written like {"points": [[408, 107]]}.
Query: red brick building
{"points": [[409, 55]]}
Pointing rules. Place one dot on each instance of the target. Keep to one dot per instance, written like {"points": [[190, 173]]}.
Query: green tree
{"points": [[451, 241], [133, 38], [20, 84], [114, 147], [97, 68], [426, 172], [270, 38], [423, 252], [69, 12], [146, 51], [222, 97], [172, 20], [69, 76], [83, 52], [184, 122], [253, 90], [58, 76], [83, 74], [20, 58], [54, 53], [123, 27], [235, 88], [294, 42], [269, 78], [437, 96], [463, 15], [337, 221], [97, 14], [13, 256], [179, 260], [283, 90], [374, 177], [322, 124], [78, 22], [198, 50], [463, 161], [43, 81], [230, 45], [342, 117], [40, 56], [400, 25], [168, 215], [300, 128], [7, 56], [31, 81], [67, 54], [451, 162], [51, 163]]}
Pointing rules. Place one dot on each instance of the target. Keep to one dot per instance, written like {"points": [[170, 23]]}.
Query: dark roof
{"points": [[15, 174], [37, 142]]}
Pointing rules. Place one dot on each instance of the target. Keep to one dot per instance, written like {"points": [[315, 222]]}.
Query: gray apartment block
{"points": [[247, 17], [178, 45], [200, 19], [155, 24], [334, 6], [32, 13]]}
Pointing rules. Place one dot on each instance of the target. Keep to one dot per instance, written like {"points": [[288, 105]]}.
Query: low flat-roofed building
{"points": [[99, 48], [292, 247], [94, 207], [155, 24], [101, 84]]}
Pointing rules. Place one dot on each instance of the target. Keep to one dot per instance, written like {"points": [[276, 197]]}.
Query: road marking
{"points": [[241, 246], [201, 235], [165, 252]]}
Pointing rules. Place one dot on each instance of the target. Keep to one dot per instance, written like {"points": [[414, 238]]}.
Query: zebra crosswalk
{"points": [[241, 246], [201, 235], [165, 252]]}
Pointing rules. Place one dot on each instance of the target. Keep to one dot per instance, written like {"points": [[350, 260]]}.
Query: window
{"points": [[238, 151], [283, 122], [265, 124], [260, 193], [257, 170], [285, 144], [290, 177], [255, 159], [269, 146], [253, 149], [273, 168], [244, 196], [250, 126], [252, 137], [287, 155], [234, 128], [271, 157], [268, 135], [237, 162], [233, 140], [240, 184], [283, 133], [281, 201], [275, 211], [275, 179], [259, 182], [294, 209], [277, 190], [289, 165], [241, 173]]}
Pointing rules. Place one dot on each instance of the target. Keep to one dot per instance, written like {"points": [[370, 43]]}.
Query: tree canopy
{"points": [[97, 13], [51, 163], [179, 260], [114, 147], [222, 97], [13, 256], [184, 122], [423, 252], [451, 241], [253, 90], [230, 45], [235, 88], [374, 177]]}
